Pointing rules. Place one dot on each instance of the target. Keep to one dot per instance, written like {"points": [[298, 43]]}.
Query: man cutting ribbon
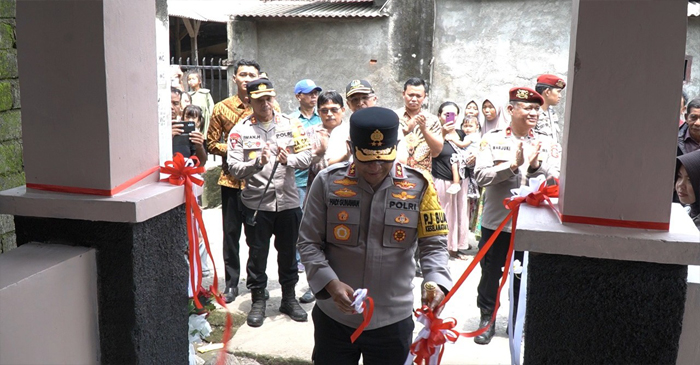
{"points": [[362, 223]]}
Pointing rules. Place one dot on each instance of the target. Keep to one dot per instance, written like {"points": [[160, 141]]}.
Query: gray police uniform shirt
{"points": [[366, 239], [548, 124], [245, 142], [492, 169]]}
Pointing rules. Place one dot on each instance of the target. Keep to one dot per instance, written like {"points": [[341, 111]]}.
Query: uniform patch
{"points": [[344, 193], [345, 182], [483, 145], [403, 205], [403, 195], [434, 221], [341, 232], [233, 139], [343, 216], [405, 185], [398, 172], [402, 219], [555, 151], [351, 170], [344, 203], [399, 235], [252, 155]]}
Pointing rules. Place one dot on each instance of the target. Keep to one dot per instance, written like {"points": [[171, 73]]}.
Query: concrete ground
{"points": [[280, 336]]}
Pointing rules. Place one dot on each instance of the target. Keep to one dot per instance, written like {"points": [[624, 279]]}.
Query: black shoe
{"points": [[256, 316], [485, 338], [267, 295], [230, 294], [290, 306], [308, 297]]}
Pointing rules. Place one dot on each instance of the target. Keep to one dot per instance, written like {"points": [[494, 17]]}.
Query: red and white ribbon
{"points": [[364, 304]]}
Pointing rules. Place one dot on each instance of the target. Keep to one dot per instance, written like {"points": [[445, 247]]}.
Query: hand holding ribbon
{"points": [[363, 304], [427, 348]]}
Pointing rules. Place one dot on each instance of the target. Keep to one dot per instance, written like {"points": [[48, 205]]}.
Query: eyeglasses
{"points": [[360, 99], [326, 110]]}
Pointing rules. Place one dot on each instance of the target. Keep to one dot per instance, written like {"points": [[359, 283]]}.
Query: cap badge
{"points": [[377, 138], [355, 83], [522, 94], [560, 83]]}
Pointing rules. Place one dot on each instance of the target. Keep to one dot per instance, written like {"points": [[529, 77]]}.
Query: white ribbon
{"points": [[360, 296], [516, 331], [423, 334]]}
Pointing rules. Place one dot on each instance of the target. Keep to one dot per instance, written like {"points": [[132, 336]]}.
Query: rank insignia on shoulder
{"points": [[403, 195], [343, 216], [341, 232], [405, 185], [399, 235], [351, 170], [399, 171], [402, 219], [344, 193], [345, 182]]}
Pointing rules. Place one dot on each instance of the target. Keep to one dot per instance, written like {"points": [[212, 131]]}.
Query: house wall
{"points": [[692, 47], [11, 168], [483, 48]]}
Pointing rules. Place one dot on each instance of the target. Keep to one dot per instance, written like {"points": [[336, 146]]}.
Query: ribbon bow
{"points": [[186, 172], [428, 347]]}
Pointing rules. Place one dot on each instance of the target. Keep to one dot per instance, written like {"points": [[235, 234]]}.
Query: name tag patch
{"points": [[343, 202]]}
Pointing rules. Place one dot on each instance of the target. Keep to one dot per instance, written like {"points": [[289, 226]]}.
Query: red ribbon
{"points": [[182, 173], [368, 310], [90, 191], [441, 330]]}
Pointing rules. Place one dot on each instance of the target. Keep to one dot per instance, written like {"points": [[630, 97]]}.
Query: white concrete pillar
{"points": [[625, 79], [89, 92]]}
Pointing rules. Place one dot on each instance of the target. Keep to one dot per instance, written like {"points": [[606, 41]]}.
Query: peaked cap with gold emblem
{"points": [[526, 95], [260, 87], [374, 134]]}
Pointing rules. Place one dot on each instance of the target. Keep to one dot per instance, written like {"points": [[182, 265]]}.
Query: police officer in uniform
{"points": [[251, 146], [362, 222], [550, 88], [507, 158]]}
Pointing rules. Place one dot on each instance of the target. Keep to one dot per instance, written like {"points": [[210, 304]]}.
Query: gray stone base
{"points": [[142, 282], [594, 311]]}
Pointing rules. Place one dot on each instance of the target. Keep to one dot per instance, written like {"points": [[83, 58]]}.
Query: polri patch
{"points": [[345, 182], [341, 232], [403, 195]]}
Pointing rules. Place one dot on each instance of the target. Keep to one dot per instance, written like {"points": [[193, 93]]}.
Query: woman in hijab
{"points": [[688, 183], [494, 118]]}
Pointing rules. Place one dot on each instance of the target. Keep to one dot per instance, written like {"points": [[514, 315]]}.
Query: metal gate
{"points": [[214, 75]]}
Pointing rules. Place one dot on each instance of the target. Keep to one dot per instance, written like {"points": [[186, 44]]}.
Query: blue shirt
{"points": [[301, 176]]}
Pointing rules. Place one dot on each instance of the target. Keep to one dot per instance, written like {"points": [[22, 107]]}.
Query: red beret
{"points": [[551, 80], [526, 95]]}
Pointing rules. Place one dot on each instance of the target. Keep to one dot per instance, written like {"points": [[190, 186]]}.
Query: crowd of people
{"points": [[375, 201]]}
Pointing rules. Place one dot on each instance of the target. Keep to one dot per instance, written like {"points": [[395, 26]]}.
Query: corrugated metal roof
{"points": [[693, 8], [221, 11], [316, 9]]}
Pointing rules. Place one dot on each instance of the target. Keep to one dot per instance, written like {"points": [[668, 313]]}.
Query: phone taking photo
{"points": [[450, 117]]}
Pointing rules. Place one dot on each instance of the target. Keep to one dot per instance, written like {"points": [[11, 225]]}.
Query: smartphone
{"points": [[450, 117], [184, 138]]}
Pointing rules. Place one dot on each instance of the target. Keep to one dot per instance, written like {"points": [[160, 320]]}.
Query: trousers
{"points": [[388, 345], [285, 226], [491, 272]]}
